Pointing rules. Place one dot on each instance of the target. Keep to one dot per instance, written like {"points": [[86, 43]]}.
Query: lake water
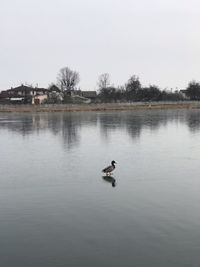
{"points": [[56, 209]]}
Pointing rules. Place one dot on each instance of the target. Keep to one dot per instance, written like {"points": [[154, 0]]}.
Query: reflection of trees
{"points": [[192, 119], [67, 126], [135, 121], [21, 124], [109, 122], [69, 129]]}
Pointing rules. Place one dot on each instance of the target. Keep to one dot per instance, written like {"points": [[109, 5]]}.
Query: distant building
{"points": [[54, 88], [89, 94], [184, 94], [24, 90], [27, 94], [34, 95], [55, 95], [4, 98], [39, 99], [78, 96]]}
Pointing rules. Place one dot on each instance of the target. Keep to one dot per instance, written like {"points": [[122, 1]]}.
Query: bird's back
{"points": [[108, 169]]}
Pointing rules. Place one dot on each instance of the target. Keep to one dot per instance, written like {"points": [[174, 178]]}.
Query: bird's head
{"points": [[113, 162]]}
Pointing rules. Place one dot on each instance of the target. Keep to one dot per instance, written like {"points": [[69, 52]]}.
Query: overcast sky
{"points": [[157, 40]]}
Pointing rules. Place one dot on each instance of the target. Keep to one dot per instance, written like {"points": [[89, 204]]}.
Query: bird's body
{"points": [[110, 168]]}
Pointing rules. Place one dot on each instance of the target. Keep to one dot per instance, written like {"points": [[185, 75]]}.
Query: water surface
{"points": [[57, 210]]}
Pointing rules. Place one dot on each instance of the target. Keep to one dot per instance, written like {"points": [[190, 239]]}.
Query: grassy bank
{"points": [[100, 107]]}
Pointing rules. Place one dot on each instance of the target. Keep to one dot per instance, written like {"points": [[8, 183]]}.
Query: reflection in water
{"points": [[64, 125], [68, 125], [134, 122], [110, 179], [53, 211], [193, 121]]}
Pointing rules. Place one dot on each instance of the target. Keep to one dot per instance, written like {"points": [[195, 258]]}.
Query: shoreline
{"points": [[100, 107]]}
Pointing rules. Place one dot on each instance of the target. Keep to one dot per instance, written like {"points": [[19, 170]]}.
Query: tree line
{"points": [[68, 79]]}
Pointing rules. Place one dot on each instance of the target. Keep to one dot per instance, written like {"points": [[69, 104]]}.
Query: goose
{"points": [[110, 168]]}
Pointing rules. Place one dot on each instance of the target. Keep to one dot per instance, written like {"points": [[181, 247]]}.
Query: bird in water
{"points": [[110, 168]]}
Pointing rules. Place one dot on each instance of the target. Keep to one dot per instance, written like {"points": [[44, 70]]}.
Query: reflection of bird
{"points": [[110, 168], [110, 179]]}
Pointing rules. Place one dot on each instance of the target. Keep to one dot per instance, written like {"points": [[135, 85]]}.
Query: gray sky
{"points": [[157, 40]]}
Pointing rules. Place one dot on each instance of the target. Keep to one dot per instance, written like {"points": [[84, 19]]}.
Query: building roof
{"points": [[89, 94], [54, 88], [26, 88]]}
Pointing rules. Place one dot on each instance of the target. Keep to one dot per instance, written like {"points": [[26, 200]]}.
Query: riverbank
{"points": [[100, 107]]}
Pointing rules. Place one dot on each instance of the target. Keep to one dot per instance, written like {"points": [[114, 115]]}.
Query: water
{"points": [[57, 210]]}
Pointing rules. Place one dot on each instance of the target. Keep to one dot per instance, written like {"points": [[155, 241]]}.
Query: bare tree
{"points": [[133, 84], [68, 79], [104, 80]]}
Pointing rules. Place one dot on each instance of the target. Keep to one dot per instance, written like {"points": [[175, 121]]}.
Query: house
{"points": [[34, 95], [27, 94], [89, 94], [78, 96], [54, 88], [184, 94], [4, 98], [55, 95], [24, 90], [39, 99], [84, 96]]}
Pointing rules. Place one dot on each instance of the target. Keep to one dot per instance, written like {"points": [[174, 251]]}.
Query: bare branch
{"points": [[104, 80], [68, 79]]}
